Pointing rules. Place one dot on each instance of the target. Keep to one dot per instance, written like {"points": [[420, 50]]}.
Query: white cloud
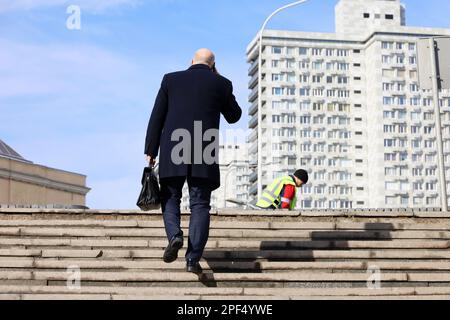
{"points": [[85, 109], [89, 5], [66, 70]]}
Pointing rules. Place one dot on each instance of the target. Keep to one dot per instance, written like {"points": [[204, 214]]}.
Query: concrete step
{"points": [[389, 225], [224, 233], [315, 255], [158, 276], [30, 263], [263, 256], [227, 244], [216, 298], [222, 293]]}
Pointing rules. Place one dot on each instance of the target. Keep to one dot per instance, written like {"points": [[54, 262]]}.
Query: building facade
{"points": [[347, 107], [23, 183], [234, 177]]}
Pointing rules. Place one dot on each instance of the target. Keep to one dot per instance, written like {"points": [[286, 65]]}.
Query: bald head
{"points": [[204, 56]]}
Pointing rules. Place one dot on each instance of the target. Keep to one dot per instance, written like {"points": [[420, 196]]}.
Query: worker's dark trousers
{"points": [[199, 199]]}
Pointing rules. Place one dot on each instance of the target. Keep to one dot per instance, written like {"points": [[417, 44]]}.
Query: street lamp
{"points": [[260, 90], [434, 73]]}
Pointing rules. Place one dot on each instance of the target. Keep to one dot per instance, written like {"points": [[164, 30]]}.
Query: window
{"points": [[414, 87], [343, 66], [304, 92], [317, 65], [366, 15], [415, 116], [304, 78], [290, 77], [304, 65], [317, 79], [415, 144], [277, 50], [391, 200], [290, 91], [277, 77], [389, 17], [290, 63], [388, 101], [404, 201], [316, 52], [276, 104], [342, 80], [391, 186], [275, 63], [277, 91], [387, 45], [428, 130], [303, 51], [342, 53], [388, 73]]}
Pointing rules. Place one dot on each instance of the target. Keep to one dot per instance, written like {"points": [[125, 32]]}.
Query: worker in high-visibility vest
{"points": [[282, 192]]}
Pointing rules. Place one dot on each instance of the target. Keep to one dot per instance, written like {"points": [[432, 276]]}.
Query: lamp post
{"points": [[260, 90], [434, 74], [438, 125]]}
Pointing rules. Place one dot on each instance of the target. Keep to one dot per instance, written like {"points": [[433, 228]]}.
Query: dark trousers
{"points": [[199, 200]]}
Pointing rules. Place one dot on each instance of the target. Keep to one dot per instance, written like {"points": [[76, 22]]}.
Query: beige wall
{"points": [[30, 184]]}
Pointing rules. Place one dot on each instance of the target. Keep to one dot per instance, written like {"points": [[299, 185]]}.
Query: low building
{"points": [[23, 183], [234, 177]]}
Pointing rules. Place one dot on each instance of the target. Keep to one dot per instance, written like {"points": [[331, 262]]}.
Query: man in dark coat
{"points": [[184, 128]]}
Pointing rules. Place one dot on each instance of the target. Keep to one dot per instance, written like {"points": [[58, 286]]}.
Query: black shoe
{"points": [[171, 252], [193, 267]]}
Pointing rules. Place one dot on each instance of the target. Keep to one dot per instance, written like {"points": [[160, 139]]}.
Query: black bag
{"points": [[150, 198]]}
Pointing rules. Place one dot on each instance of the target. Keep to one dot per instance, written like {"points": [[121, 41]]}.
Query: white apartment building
{"points": [[234, 177], [347, 107]]}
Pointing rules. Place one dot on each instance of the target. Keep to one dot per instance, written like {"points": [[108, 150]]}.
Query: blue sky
{"points": [[80, 100]]}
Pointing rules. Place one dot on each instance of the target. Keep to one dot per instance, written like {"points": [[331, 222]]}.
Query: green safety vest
{"points": [[271, 195]]}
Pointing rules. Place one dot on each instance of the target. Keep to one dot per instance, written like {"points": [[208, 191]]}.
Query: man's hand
{"points": [[151, 161]]}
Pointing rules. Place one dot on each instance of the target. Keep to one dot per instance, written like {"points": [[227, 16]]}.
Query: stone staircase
{"points": [[250, 255]]}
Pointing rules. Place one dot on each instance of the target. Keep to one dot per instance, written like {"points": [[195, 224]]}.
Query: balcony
{"points": [[254, 67], [253, 189], [253, 123], [253, 177], [253, 136], [253, 149], [253, 95], [253, 81], [253, 108]]}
